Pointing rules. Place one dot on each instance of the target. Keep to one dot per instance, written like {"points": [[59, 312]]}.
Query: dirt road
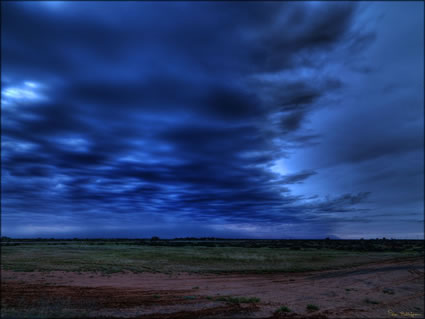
{"points": [[393, 289]]}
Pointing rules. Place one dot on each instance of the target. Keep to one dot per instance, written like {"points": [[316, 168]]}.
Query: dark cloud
{"points": [[163, 113], [299, 177], [342, 203]]}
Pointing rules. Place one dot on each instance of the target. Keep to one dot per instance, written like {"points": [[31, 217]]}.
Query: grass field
{"points": [[116, 278], [112, 257]]}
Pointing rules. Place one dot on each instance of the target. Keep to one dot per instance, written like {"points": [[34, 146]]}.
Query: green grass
{"points": [[42, 314], [283, 309], [189, 297], [46, 308], [112, 258], [370, 301], [238, 300], [311, 307]]}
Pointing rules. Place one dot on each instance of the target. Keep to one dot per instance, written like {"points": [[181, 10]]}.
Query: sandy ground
{"points": [[393, 289]]}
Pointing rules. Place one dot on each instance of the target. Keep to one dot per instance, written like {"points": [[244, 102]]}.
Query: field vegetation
{"points": [[199, 255], [114, 278]]}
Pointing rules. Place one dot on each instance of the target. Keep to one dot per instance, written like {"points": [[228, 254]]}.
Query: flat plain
{"points": [[212, 278]]}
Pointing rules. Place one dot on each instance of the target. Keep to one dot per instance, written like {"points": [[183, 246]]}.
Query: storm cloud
{"points": [[256, 119]]}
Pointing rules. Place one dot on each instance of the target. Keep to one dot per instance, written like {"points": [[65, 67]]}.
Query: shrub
{"points": [[238, 300], [388, 291], [311, 307], [373, 302], [189, 297], [283, 309]]}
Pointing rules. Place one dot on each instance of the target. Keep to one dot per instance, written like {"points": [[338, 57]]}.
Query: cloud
{"points": [[298, 178], [176, 113]]}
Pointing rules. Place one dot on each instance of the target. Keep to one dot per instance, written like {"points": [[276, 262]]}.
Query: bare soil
{"points": [[382, 290]]}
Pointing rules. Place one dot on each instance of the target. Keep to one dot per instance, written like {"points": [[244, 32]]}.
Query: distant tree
{"points": [[155, 238]]}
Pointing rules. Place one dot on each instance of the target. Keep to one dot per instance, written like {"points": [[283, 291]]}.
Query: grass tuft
{"points": [[282, 309], [370, 301], [388, 291], [189, 297], [238, 300], [311, 307]]}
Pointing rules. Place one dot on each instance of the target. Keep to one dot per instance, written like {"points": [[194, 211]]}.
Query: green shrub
{"points": [[311, 307], [388, 291], [238, 300], [189, 297], [283, 309], [369, 301]]}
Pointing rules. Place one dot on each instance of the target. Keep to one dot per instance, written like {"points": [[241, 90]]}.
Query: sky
{"points": [[225, 119]]}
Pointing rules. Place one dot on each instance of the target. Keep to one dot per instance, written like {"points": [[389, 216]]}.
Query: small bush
{"points": [[283, 309], [189, 297], [311, 307], [369, 301], [238, 300], [388, 291], [249, 300]]}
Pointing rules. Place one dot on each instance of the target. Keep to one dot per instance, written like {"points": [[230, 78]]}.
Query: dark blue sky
{"points": [[230, 119]]}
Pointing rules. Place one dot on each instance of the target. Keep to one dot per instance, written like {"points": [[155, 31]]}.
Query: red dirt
{"points": [[393, 289]]}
